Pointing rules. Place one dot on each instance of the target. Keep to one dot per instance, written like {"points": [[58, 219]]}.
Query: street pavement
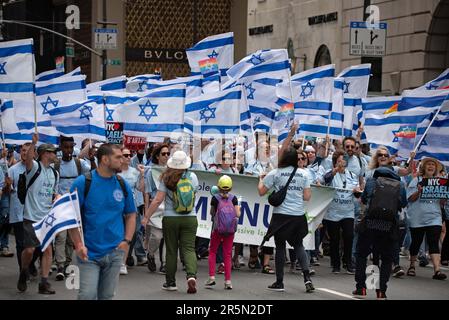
{"points": [[248, 284]]}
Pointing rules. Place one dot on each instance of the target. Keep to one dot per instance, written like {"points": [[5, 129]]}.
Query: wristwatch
{"points": [[127, 241]]}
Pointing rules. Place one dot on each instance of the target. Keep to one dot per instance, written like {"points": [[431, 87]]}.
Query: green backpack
{"points": [[184, 196]]}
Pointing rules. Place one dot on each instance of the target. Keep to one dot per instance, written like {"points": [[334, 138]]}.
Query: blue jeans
{"points": [[137, 241], [99, 278]]}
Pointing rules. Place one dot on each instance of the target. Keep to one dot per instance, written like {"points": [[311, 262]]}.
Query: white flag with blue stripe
{"points": [[217, 114], [63, 215], [112, 84], [159, 114], [81, 120], [16, 69], [220, 47], [273, 64]]}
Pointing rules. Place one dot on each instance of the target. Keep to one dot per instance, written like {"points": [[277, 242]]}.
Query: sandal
{"points": [[267, 269], [439, 276], [411, 272]]}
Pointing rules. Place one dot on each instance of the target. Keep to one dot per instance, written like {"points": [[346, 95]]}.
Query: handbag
{"points": [[276, 198]]}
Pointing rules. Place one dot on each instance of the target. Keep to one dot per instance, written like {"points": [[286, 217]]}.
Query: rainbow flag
{"points": [[287, 110], [406, 132], [208, 66], [394, 108]]}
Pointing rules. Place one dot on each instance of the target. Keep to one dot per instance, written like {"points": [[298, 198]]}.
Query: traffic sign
{"points": [[368, 40], [114, 62], [69, 50], [105, 38]]}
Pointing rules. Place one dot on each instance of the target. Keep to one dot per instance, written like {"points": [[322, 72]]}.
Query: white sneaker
{"points": [[241, 261], [123, 269], [228, 285]]}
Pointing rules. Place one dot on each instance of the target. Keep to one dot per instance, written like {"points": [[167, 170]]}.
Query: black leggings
{"points": [[445, 246], [432, 234]]}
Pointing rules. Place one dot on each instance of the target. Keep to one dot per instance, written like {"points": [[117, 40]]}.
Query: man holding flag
{"points": [[42, 183], [108, 217]]}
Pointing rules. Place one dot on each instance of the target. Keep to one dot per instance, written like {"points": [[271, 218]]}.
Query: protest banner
{"points": [[114, 132], [255, 210]]}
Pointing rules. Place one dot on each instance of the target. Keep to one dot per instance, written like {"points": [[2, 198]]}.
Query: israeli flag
{"points": [[11, 132], [112, 84], [139, 83], [217, 114], [261, 97], [55, 73], [220, 46], [381, 129], [159, 114], [211, 83], [193, 84], [81, 120], [63, 215], [441, 82], [436, 142], [48, 75], [327, 71], [273, 64], [355, 82], [16, 69]]}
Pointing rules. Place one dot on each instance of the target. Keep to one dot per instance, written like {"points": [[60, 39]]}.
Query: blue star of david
{"points": [[251, 91], [256, 60], [307, 90], [214, 54], [257, 120], [109, 112], [49, 101], [2, 68], [346, 86], [50, 220], [207, 117], [396, 139], [147, 116], [86, 112], [141, 84], [431, 87]]}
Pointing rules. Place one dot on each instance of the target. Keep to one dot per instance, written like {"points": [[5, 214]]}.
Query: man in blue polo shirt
{"points": [[108, 216]]}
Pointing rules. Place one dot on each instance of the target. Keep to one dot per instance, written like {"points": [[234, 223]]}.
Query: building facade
{"points": [[317, 32], [151, 34]]}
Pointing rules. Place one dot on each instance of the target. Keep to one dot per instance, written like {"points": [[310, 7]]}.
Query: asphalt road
{"points": [[248, 285]]}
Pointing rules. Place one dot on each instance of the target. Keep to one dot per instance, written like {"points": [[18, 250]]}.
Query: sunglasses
{"points": [[165, 154], [349, 147], [127, 155], [302, 159], [382, 155]]}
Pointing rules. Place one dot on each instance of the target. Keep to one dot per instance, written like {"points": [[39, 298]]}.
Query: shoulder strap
{"points": [[122, 185], [291, 177], [34, 177], [58, 165], [55, 173], [87, 183], [78, 165]]}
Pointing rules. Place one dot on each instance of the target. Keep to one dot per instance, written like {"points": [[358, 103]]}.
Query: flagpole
{"points": [[252, 141], [78, 217], [3, 138], [34, 94], [425, 133]]}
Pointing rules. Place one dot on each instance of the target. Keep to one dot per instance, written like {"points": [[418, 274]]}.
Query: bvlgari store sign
{"points": [[156, 55]]}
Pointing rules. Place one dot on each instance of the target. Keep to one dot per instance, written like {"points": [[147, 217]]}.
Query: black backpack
{"points": [[88, 182], [22, 187], [384, 205], [277, 197]]}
